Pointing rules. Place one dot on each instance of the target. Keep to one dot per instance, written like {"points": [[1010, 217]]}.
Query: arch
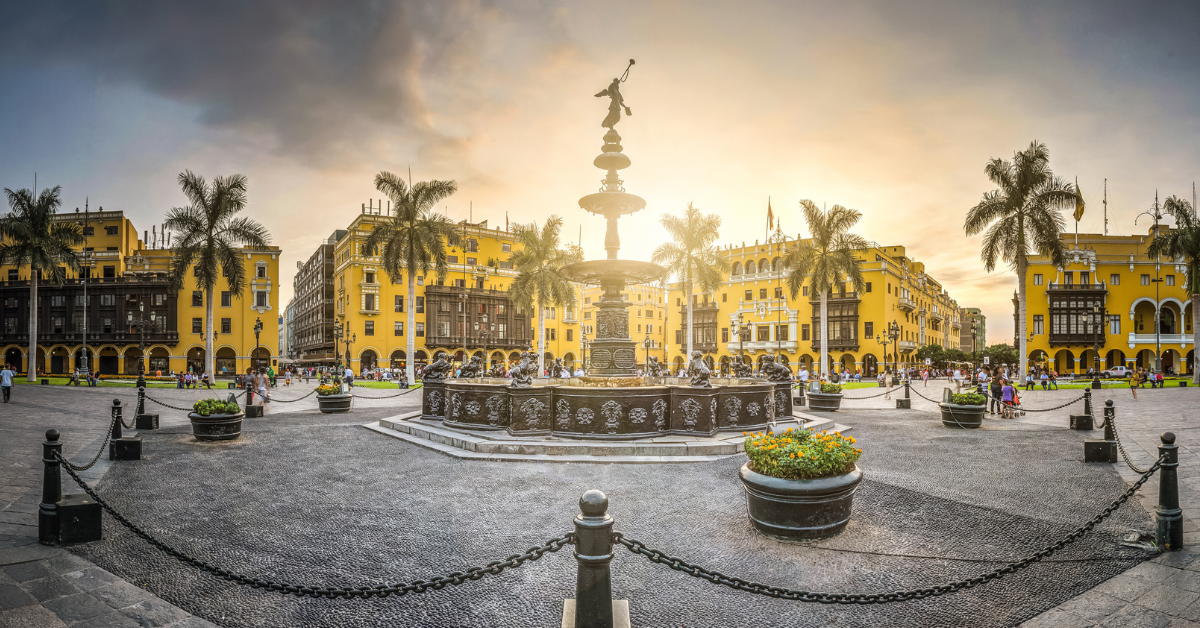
{"points": [[569, 361], [15, 357], [1114, 358], [1064, 361], [130, 360], [478, 354], [368, 359], [870, 364], [783, 359], [848, 363], [1190, 361], [1145, 359], [764, 266], [108, 360], [1170, 361], [260, 358], [1141, 312], [737, 269], [398, 359], [496, 358], [1087, 360], [1187, 318], [1170, 315], [515, 356], [777, 264], [725, 362], [78, 358], [1038, 355], [677, 364], [226, 361], [195, 359]]}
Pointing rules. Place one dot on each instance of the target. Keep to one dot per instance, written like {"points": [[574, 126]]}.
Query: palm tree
{"points": [[414, 241], [538, 259], [826, 259], [1024, 214], [1183, 242], [210, 240], [692, 256], [33, 238]]}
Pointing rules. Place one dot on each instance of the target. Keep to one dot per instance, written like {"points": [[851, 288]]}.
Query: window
{"points": [[12, 274], [724, 334], [804, 291], [587, 315], [108, 299], [778, 293], [260, 298], [587, 300], [1114, 280], [106, 325], [762, 293], [781, 332], [1145, 280], [369, 328], [87, 231], [460, 283], [868, 330], [570, 335], [1170, 280], [889, 288], [197, 325], [1114, 323], [58, 300], [421, 280], [10, 325], [868, 287], [1038, 325], [195, 271], [553, 335], [110, 272], [678, 336], [197, 298], [1085, 278], [226, 325], [110, 231], [58, 323], [443, 328], [369, 302], [399, 303], [370, 277], [226, 298], [420, 331], [472, 245], [724, 297], [420, 305], [749, 295], [1037, 279], [398, 328], [451, 259], [506, 247], [1068, 278], [471, 261], [804, 332], [261, 272], [763, 332]]}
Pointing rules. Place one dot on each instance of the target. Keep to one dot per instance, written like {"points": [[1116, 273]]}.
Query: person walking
{"points": [[996, 389], [262, 385], [1008, 393], [1133, 383], [6, 381], [887, 383]]}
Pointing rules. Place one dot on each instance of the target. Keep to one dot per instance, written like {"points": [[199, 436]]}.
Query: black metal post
{"points": [[1110, 415], [593, 550], [116, 427], [1169, 516], [1087, 401], [48, 520]]}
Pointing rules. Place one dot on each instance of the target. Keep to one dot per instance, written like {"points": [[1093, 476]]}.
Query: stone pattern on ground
{"points": [[313, 499]]}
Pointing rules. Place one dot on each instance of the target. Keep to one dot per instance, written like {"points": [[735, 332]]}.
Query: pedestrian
{"points": [[994, 400], [348, 376], [925, 377], [1134, 377], [1054, 379], [1008, 395], [287, 377], [204, 379], [1045, 378], [6, 381], [887, 383], [262, 384]]}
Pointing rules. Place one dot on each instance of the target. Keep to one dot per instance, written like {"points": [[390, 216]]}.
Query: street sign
{"points": [[928, 361], [987, 360]]}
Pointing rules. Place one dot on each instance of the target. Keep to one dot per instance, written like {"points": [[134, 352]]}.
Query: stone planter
{"points": [[216, 426], [334, 404], [799, 509], [824, 402], [954, 415]]}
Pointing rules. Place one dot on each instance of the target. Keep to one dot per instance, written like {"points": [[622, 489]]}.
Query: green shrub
{"points": [[207, 407], [801, 454], [328, 389], [968, 399], [831, 389]]}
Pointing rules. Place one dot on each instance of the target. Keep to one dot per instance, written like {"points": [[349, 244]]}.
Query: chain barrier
{"points": [[716, 577], [1020, 408], [417, 586], [107, 436], [271, 399], [886, 392], [1121, 448], [167, 405], [403, 392]]}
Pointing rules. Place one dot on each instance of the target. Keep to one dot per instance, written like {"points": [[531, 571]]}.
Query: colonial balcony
{"points": [[937, 316], [954, 324], [907, 345], [907, 304], [1166, 339], [1077, 287], [760, 345], [1083, 338], [840, 344], [475, 342]]}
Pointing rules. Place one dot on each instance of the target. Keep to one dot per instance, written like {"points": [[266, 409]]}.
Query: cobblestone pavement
{"points": [[316, 499]]}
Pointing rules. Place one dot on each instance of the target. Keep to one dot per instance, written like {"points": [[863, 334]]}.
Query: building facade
{"points": [[312, 290], [1110, 301], [974, 330], [466, 313], [122, 299], [752, 313], [649, 318]]}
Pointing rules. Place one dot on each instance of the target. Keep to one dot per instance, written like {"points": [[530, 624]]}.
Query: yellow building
{"points": [[467, 310], [648, 318], [754, 299], [128, 299], [1108, 294]]}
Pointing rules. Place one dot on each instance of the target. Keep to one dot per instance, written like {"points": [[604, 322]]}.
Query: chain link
{"points": [[1121, 447], [716, 577], [403, 392], [107, 436], [1021, 408], [417, 586], [167, 405], [274, 400], [886, 392]]}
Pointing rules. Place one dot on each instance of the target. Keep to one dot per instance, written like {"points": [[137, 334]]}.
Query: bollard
{"points": [[1169, 516], [1084, 421], [252, 411], [593, 606], [63, 520], [51, 490], [141, 420], [120, 447], [1097, 450], [906, 402]]}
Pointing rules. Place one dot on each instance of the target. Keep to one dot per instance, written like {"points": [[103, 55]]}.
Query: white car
{"points": [[1116, 371]]}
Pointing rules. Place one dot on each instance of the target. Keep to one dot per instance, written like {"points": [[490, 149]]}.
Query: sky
{"points": [[890, 108]]}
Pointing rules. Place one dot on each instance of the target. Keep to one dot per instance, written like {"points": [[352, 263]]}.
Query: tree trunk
{"points": [[1022, 336], [210, 359], [410, 334], [541, 344], [30, 367], [824, 331], [687, 295]]}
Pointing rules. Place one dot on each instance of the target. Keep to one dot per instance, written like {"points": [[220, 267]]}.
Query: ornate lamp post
{"points": [[258, 327], [646, 344], [743, 330], [583, 347], [1098, 316], [350, 339], [893, 336], [337, 342], [1156, 213]]}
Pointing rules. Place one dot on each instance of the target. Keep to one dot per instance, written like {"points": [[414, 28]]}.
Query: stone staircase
{"points": [[500, 446]]}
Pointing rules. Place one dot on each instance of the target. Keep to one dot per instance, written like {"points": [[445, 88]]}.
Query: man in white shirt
{"points": [[802, 376], [6, 381], [579, 371], [348, 376]]}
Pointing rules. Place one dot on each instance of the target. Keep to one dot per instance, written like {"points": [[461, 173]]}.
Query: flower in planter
{"points": [[801, 454], [208, 407], [831, 389], [968, 399], [328, 389]]}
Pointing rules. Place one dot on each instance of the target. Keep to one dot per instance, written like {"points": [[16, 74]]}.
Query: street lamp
{"points": [[646, 344], [1156, 213], [337, 342], [350, 339], [258, 327], [743, 330], [893, 336], [583, 346], [1098, 314]]}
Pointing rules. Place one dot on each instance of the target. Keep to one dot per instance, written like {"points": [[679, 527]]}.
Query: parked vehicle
{"points": [[1117, 372]]}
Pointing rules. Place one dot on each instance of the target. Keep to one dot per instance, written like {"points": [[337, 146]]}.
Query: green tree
{"points": [[33, 238], [1183, 242], [692, 256], [826, 260], [957, 355], [1000, 354], [935, 353], [1024, 215], [210, 238], [538, 259], [413, 241]]}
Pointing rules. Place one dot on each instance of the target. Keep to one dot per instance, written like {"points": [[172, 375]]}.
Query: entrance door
{"points": [[108, 364], [56, 364]]}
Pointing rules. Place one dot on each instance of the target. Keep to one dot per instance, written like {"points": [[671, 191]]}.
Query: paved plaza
{"points": [[319, 500]]}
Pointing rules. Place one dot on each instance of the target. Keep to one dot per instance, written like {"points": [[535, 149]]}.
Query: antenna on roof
{"points": [[1106, 205]]}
